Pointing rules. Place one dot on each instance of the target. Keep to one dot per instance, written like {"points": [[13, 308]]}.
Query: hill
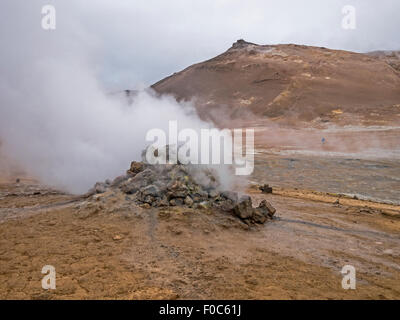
{"points": [[291, 84]]}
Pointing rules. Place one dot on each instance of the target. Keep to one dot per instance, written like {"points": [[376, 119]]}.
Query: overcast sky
{"points": [[136, 43]]}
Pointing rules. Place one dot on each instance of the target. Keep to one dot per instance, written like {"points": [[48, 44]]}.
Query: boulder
{"points": [[188, 201], [244, 208], [135, 168], [100, 187], [259, 217], [230, 195], [139, 181], [266, 209], [265, 188], [118, 180]]}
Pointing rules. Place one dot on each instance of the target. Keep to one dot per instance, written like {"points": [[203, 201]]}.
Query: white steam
{"points": [[55, 118]]}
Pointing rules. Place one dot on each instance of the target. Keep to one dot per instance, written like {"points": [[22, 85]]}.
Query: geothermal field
{"points": [[78, 192], [156, 232]]}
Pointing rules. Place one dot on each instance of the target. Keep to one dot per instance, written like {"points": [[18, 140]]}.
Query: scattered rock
{"points": [[188, 201], [265, 188], [182, 185], [145, 206], [135, 168], [266, 209], [100, 187], [203, 205], [244, 208], [118, 180]]}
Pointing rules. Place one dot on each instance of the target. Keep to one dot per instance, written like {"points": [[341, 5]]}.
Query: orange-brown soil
{"points": [[109, 252]]}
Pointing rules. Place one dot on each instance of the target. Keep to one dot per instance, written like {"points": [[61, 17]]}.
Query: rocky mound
{"points": [[183, 185]]}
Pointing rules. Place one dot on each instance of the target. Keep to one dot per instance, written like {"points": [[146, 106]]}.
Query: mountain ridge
{"points": [[290, 83]]}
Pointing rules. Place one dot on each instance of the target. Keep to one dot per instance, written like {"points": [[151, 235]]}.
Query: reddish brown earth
{"points": [[179, 253], [292, 85]]}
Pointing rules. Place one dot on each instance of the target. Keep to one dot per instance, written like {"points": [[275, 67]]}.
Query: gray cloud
{"points": [[56, 118], [138, 42]]}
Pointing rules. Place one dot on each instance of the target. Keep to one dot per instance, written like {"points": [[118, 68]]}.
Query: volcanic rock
{"points": [[266, 209], [244, 208], [265, 188], [135, 168], [181, 185]]}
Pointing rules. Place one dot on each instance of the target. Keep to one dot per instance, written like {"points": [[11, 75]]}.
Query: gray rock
{"points": [[199, 196], [259, 217], [177, 189], [146, 175], [100, 187], [227, 201], [139, 181], [176, 202], [203, 205], [244, 208], [213, 193], [163, 202], [230, 195], [182, 185], [118, 180], [129, 186], [151, 190], [135, 168], [188, 201], [266, 209], [265, 188]]}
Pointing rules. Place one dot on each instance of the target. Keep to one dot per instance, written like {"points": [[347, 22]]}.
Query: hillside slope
{"points": [[291, 84]]}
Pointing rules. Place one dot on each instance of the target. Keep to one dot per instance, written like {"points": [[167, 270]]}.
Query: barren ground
{"points": [[181, 253], [327, 140]]}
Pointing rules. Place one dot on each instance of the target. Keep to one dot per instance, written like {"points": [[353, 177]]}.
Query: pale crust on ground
{"points": [[384, 208]]}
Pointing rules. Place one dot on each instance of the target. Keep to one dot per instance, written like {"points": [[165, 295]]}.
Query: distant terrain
{"points": [[294, 85]]}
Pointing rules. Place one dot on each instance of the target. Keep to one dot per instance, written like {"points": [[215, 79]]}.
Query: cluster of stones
{"points": [[184, 185]]}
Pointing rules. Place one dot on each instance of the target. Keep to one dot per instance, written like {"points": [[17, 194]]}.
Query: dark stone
{"points": [[118, 180], [151, 190], [135, 168], [244, 208], [265, 188], [259, 217], [100, 187], [230, 195], [266, 209]]}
